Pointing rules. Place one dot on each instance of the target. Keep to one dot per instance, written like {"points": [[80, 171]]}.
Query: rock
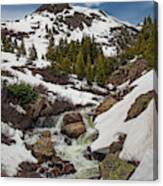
{"points": [[105, 105], [117, 146], [140, 104], [46, 134], [28, 170], [73, 130], [68, 168], [73, 125], [56, 171], [67, 141], [72, 118], [37, 107], [98, 156], [43, 149], [113, 168], [7, 140]]}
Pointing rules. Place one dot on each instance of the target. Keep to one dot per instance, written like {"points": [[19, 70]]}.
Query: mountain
{"points": [[71, 22]]}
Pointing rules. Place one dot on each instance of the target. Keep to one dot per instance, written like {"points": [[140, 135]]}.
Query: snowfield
{"points": [[139, 130], [14, 154], [34, 24], [66, 92]]}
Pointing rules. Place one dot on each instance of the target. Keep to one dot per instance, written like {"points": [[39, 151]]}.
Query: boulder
{"points": [[108, 102], [113, 168], [72, 118], [44, 148], [73, 125], [73, 130]]}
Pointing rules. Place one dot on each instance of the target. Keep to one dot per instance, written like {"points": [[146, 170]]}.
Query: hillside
{"points": [[78, 95]]}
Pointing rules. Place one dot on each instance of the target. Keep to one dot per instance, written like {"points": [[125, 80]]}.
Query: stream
{"points": [[74, 153]]}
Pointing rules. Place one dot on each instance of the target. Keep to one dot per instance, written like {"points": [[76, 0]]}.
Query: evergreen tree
{"points": [[32, 53], [79, 66], [51, 51], [22, 48], [66, 65], [100, 70], [89, 70]]}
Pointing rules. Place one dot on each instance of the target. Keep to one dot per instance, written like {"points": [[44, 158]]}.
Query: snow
{"points": [[18, 108], [14, 154], [145, 171], [75, 96], [100, 29], [139, 130]]}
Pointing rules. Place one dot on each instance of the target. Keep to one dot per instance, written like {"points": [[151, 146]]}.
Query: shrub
{"points": [[23, 92]]}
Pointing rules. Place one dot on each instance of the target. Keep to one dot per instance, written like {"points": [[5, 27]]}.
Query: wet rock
{"points": [[68, 168], [7, 140], [46, 134], [72, 118], [43, 149], [73, 130], [113, 168], [105, 105], [73, 125], [28, 170], [67, 141], [98, 156], [56, 172]]}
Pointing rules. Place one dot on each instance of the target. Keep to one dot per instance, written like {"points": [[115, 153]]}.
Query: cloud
{"points": [[91, 4]]}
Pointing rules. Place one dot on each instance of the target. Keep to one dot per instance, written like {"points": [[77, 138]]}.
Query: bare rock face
{"points": [[53, 8], [73, 125]]}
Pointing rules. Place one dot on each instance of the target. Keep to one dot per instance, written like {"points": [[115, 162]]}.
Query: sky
{"points": [[133, 12]]}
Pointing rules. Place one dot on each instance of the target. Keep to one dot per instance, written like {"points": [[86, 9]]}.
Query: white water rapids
{"points": [[74, 153]]}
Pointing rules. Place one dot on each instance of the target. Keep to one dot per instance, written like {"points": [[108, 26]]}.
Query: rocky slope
{"points": [[73, 129], [71, 22]]}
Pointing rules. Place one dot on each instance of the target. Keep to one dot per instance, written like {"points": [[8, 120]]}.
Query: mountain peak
{"points": [[53, 8]]}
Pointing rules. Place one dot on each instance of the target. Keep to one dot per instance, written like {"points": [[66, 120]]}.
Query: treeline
{"points": [[11, 45], [146, 44], [85, 59]]}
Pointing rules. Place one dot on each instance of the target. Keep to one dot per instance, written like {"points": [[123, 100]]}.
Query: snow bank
{"points": [[139, 130], [75, 96], [145, 170], [14, 154]]}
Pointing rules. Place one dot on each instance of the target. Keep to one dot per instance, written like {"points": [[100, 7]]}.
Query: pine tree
{"points": [[66, 65], [22, 48], [79, 66], [51, 51], [32, 53], [100, 70], [89, 70]]}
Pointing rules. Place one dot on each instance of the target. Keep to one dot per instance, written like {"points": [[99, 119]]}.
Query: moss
{"points": [[113, 168]]}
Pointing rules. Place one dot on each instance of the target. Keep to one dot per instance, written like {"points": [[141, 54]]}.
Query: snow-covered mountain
{"points": [[71, 22]]}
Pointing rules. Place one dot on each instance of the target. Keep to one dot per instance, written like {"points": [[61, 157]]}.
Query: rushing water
{"points": [[74, 153]]}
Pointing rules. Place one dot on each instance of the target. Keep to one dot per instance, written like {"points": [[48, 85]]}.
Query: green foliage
{"points": [[100, 70], [79, 67], [7, 45], [89, 71], [25, 93], [78, 58], [146, 44], [21, 50], [32, 53]]}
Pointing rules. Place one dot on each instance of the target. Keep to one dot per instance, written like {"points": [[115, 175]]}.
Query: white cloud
{"points": [[92, 4]]}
